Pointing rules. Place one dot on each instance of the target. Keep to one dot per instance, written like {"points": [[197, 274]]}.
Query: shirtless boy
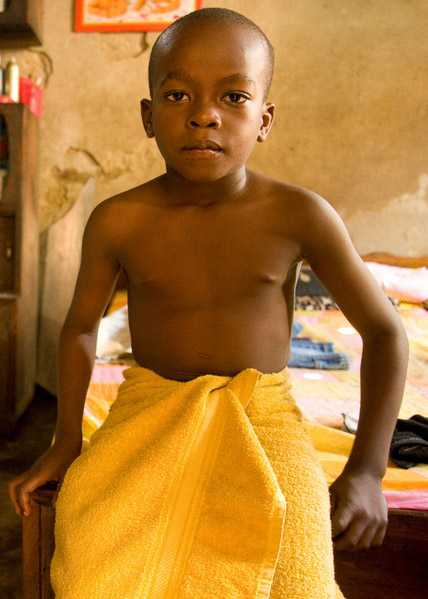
{"points": [[210, 249]]}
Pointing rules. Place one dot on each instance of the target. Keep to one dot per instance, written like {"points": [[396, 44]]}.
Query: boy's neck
{"points": [[181, 191]]}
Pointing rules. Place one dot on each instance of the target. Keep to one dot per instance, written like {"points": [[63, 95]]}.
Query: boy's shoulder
{"points": [[119, 210], [305, 217], [298, 204], [110, 220], [130, 197]]}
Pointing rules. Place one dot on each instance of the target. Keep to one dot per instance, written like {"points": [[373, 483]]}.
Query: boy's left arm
{"points": [[359, 508]]}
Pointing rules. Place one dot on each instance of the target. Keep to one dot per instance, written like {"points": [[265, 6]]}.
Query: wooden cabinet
{"points": [[19, 267], [21, 24], [7, 245]]}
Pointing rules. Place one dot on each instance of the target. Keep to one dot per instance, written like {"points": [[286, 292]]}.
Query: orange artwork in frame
{"points": [[130, 15]]}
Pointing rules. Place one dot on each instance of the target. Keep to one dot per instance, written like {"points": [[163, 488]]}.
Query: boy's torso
{"points": [[210, 290]]}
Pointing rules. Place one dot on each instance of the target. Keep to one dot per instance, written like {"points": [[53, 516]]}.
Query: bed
{"points": [[397, 569]]}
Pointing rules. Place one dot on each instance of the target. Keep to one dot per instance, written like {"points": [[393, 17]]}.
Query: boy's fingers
{"points": [[379, 536], [24, 500], [340, 520], [19, 492], [19, 501], [24, 493], [13, 492], [350, 538], [332, 502]]}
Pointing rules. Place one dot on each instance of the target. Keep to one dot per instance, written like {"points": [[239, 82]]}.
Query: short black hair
{"points": [[214, 15]]}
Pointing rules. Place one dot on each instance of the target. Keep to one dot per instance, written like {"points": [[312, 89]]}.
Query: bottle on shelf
{"points": [[4, 154], [12, 80], [1, 78]]}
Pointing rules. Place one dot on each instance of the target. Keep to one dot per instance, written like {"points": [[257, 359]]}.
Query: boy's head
{"points": [[209, 76], [217, 18]]}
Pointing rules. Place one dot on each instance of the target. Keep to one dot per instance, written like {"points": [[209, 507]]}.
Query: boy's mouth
{"points": [[207, 145]]}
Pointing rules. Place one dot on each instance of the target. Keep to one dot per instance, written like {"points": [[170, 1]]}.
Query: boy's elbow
{"points": [[394, 334], [404, 341], [398, 332], [80, 328]]}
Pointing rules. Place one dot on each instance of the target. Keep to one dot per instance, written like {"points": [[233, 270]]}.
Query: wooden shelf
{"points": [[21, 24], [21, 128], [19, 266]]}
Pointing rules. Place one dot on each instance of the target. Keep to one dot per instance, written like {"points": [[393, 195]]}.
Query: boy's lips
{"points": [[207, 144]]}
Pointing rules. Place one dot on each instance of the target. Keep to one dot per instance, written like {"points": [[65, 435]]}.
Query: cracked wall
{"points": [[351, 121], [401, 223]]}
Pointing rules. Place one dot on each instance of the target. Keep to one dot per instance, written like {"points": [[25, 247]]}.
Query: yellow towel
{"points": [[199, 489]]}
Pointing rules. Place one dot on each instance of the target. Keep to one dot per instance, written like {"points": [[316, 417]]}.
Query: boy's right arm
{"points": [[96, 280], [98, 274]]}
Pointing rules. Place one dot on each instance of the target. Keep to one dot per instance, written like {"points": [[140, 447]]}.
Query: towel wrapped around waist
{"points": [[199, 489]]}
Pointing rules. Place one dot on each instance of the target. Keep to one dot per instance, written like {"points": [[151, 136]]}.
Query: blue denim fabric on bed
{"points": [[305, 353]]}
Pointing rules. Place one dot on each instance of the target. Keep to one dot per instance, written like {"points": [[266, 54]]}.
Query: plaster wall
{"points": [[350, 90]]}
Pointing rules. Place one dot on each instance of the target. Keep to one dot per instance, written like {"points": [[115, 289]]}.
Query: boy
{"points": [[211, 251]]}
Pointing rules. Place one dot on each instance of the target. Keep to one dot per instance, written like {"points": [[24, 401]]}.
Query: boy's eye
{"points": [[175, 94], [235, 97]]}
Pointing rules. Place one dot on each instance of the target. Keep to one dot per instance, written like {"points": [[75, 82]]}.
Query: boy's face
{"points": [[193, 102]]}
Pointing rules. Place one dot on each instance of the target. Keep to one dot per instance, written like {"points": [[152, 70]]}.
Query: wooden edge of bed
{"points": [[396, 569], [394, 260]]}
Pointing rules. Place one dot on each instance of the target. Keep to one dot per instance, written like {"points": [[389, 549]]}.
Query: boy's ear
{"points": [[146, 115], [267, 120]]}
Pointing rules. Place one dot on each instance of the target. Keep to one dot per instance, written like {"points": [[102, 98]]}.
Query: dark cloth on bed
{"points": [[315, 302], [309, 284], [409, 444], [311, 293]]}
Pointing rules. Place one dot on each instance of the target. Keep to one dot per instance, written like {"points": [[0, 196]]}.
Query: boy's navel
{"points": [[204, 355]]}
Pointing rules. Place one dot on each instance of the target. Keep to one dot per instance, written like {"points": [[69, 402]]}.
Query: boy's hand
{"points": [[359, 511], [52, 465]]}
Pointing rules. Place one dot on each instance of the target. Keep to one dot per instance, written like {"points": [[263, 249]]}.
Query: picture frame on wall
{"points": [[130, 15]]}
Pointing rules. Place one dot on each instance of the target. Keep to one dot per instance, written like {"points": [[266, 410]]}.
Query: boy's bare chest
{"points": [[207, 257]]}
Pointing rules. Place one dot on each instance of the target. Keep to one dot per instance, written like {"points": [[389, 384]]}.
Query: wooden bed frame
{"points": [[396, 570]]}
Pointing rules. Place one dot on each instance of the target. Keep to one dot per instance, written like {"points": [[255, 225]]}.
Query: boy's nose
{"points": [[204, 118]]}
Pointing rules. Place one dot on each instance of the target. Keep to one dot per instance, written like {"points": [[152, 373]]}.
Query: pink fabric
{"points": [[405, 284], [108, 373], [407, 500]]}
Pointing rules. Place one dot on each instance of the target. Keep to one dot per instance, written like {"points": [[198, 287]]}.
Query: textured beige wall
{"points": [[352, 116]]}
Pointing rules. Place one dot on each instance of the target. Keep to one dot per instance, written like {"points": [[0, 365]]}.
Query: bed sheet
{"points": [[323, 395]]}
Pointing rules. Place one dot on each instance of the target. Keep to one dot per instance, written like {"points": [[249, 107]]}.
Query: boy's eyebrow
{"points": [[180, 74]]}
